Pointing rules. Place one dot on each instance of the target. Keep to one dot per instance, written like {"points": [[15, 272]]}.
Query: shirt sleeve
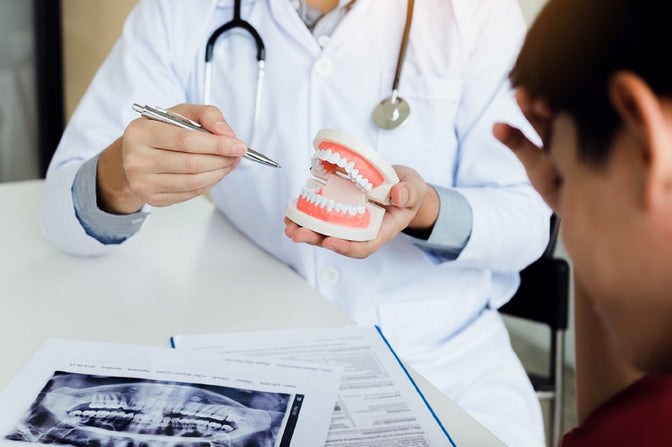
{"points": [[104, 227], [452, 227]]}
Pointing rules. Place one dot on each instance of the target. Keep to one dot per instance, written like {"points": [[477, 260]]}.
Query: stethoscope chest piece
{"points": [[391, 112]]}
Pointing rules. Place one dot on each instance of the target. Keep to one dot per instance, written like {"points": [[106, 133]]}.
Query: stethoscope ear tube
{"points": [[236, 22]]}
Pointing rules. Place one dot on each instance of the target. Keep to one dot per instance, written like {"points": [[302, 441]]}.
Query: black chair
{"points": [[543, 297]]}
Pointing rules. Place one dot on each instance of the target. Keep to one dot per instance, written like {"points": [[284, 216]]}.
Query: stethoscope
{"points": [[388, 114]]}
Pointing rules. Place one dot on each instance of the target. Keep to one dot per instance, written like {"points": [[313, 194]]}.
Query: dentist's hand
{"points": [[541, 169], [160, 164], [415, 205]]}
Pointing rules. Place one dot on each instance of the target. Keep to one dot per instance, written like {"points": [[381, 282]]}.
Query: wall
{"points": [[90, 29], [531, 8], [18, 96]]}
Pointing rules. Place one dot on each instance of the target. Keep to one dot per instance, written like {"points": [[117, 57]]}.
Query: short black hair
{"points": [[574, 47]]}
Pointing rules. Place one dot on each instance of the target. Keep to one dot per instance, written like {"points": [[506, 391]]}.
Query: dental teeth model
{"points": [[350, 177]]}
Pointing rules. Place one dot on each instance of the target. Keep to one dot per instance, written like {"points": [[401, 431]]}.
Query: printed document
{"points": [[378, 403], [101, 394]]}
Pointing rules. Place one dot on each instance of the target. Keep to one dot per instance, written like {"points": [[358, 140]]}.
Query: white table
{"points": [[188, 271]]}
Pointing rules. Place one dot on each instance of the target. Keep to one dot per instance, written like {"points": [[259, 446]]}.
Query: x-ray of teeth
{"points": [[88, 410]]}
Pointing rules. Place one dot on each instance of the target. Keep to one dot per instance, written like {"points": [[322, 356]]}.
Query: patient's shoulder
{"points": [[638, 415]]}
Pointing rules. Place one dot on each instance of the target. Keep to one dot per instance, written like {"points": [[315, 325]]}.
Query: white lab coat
{"points": [[438, 315]]}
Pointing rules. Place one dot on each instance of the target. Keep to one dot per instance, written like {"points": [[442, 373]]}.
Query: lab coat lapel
{"points": [[288, 20], [353, 24]]}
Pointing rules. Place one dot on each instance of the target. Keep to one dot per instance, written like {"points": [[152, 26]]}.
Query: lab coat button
{"points": [[323, 41], [330, 276], [324, 66]]}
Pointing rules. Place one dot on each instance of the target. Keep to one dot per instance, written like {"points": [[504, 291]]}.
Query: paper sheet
{"points": [[86, 393], [378, 404]]}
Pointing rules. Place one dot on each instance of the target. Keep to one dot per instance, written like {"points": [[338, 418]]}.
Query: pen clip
{"points": [[178, 116]]}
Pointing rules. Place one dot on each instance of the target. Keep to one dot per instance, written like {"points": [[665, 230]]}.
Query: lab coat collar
{"points": [[286, 17]]}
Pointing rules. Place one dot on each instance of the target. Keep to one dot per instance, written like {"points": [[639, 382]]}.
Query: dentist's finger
{"points": [[208, 116]]}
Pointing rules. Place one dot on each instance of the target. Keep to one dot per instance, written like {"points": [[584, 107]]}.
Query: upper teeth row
{"points": [[111, 402], [348, 166], [330, 204], [150, 419]]}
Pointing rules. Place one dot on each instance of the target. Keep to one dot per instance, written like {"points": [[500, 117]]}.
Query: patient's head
{"points": [[602, 67]]}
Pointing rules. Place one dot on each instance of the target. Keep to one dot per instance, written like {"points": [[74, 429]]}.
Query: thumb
{"points": [[405, 195]]}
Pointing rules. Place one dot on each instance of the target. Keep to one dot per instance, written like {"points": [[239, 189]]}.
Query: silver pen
{"points": [[174, 118]]}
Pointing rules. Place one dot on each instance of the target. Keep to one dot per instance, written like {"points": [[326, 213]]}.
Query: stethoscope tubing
{"points": [[402, 49]]}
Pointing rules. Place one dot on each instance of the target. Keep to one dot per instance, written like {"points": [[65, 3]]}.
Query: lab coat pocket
{"points": [[426, 141]]}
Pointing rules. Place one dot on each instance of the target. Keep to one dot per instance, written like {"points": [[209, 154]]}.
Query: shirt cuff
{"points": [[105, 227], [452, 228]]}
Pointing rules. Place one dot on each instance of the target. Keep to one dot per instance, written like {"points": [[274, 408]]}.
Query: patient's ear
{"points": [[647, 121]]}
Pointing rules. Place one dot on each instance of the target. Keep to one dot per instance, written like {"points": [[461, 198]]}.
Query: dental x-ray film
{"points": [[100, 394]]}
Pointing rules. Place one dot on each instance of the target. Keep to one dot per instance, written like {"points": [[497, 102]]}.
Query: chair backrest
{"points": [[543, 295]]}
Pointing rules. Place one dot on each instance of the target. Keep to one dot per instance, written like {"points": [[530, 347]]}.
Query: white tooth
{"points": [[330, 204], [323, 201], [354, 173], [333, 158], [338, 207], [323, 155], [352, 210], [349, 167], [342, 162], [361, 209], [369, 187]]}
